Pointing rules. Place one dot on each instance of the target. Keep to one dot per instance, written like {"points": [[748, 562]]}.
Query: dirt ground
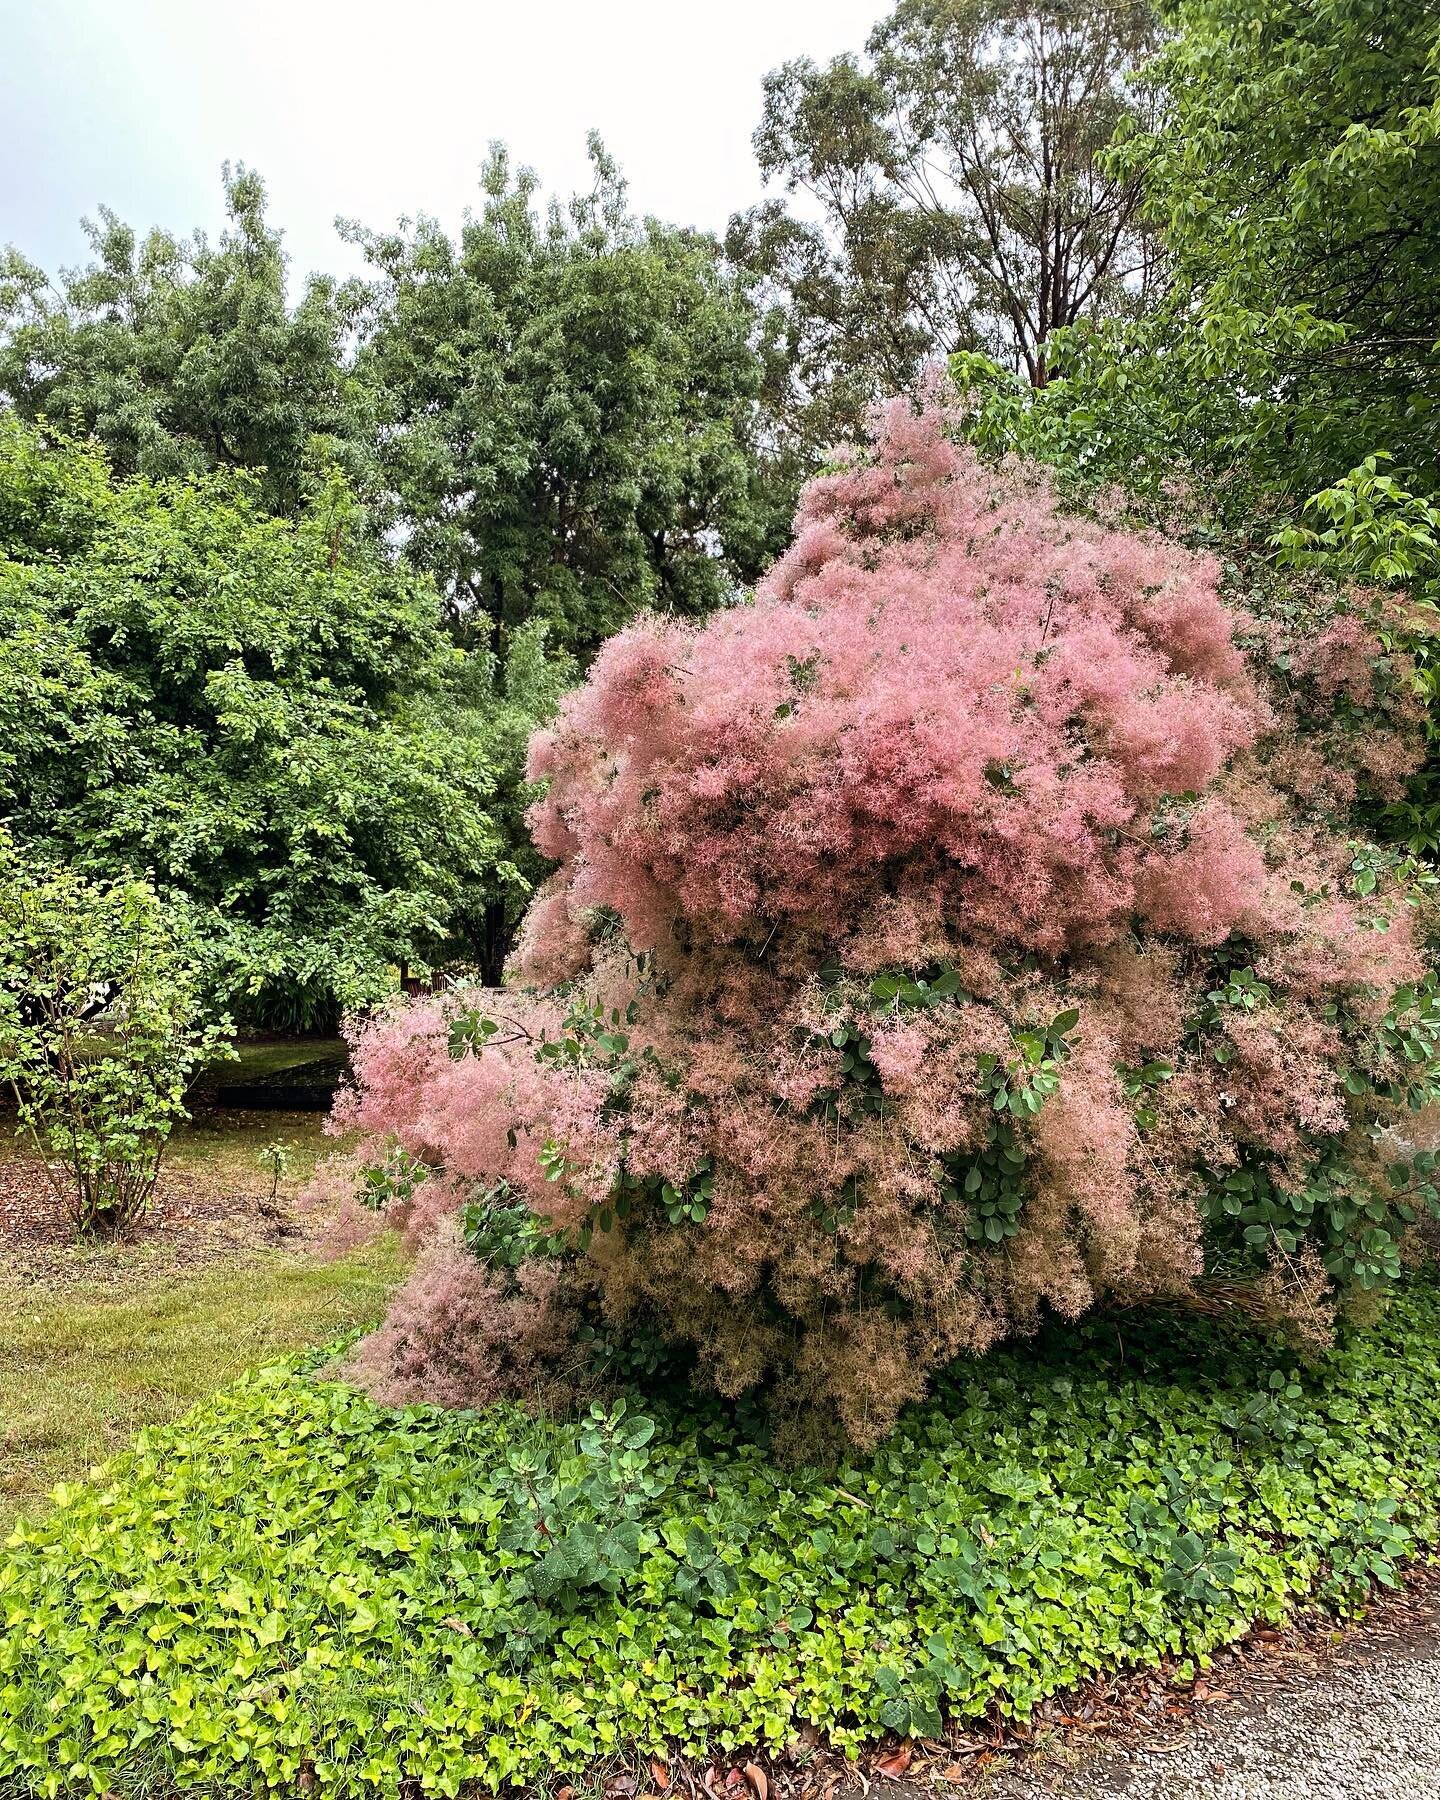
{"points": [[213, 1203]]}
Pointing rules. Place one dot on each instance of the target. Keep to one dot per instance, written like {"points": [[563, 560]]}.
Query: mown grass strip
{"points": [[84, 1368]]}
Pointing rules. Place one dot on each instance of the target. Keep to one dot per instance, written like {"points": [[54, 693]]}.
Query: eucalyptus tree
{"points": [[1295, 173], [956, 196]]}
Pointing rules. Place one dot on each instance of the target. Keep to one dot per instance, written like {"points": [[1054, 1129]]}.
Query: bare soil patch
{"points": [[213, 1203]]}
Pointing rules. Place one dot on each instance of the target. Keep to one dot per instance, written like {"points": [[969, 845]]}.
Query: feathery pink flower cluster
{"points": [[957, 739]]}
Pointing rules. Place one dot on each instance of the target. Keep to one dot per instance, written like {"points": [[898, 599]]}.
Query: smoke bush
{"points": [[932, 944]]}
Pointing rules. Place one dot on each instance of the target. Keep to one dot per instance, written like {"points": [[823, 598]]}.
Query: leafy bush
{"points": [[260, 712], [932, 941], [294, 1587], [102, 1024]]}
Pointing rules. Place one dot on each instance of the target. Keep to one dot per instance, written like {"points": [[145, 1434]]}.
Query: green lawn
{"points": [[82, 1369], [221, 1149], [217, 1150]]}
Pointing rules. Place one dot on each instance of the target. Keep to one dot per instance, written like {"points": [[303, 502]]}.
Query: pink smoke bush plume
{"points": [[957, 738]]}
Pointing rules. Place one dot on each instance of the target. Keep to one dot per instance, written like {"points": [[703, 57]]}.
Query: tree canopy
{"points": [[563, 410], [1293, 174], [181, 356], [1296, 174], [963, 198], [261, 713]]}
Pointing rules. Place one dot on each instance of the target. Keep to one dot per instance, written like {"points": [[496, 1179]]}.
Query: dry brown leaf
{"points": [[895, 1765], [659, 1774], [758, 1780]]}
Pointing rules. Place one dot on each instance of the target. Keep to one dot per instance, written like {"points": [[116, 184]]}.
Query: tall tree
{"points": [[1295, 171], [1285, 390], [1293, 174], [180, 355], [563, 408], [962, 197], [263, 714]]}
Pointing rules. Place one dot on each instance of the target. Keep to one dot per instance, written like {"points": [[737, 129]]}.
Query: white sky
{"points": [[373, 111]]}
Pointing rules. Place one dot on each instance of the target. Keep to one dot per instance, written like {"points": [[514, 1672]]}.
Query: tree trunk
{"points": [[493, 942]]}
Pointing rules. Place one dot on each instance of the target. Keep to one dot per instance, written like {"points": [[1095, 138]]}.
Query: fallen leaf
{"points": [[458, 1625], [895, 1765], [758, 1780], [659, 1773]]}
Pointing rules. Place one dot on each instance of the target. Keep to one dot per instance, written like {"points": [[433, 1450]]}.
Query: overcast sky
{"points": [[376, 110]]}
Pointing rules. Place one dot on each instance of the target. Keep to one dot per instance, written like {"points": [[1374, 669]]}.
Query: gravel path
{"points": [[1362, 1724]]}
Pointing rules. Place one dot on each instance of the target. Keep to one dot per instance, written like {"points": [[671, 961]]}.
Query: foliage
{"points": [[940, 931], [1293, 175], [182, 356], [261, 713], [561, 411], [554, 416], [506, 698], [1296, 174], [1368, 527], [102, 1025], [962, 200], [274, 1159], [295, 1589], [129, 1339]]}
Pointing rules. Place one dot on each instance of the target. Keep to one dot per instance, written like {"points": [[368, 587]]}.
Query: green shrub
{"points": [[294, 1575], [103, 1023]]}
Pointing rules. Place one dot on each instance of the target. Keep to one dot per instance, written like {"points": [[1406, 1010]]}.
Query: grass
{"points": [[221, 1148], [256, 1057], [83, 1369], [293, 1589]]}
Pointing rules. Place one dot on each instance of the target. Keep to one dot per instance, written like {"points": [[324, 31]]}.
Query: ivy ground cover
{"points": [[293, 1585]]}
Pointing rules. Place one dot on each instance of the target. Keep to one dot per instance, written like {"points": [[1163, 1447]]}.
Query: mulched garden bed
{"points": [[195, 1220]]}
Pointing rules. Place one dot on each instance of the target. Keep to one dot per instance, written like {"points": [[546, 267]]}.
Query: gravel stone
{"points": [[1363, 1725]]}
